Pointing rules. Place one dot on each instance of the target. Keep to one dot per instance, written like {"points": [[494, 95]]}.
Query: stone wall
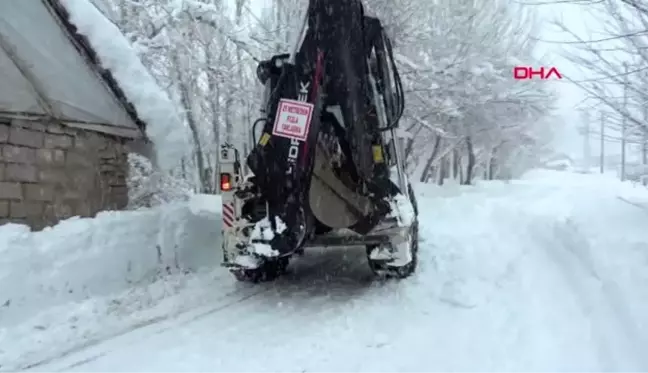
{"points": [[50, 172]]}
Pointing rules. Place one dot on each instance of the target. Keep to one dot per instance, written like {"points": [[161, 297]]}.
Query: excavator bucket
{"points": [[332, 202]]}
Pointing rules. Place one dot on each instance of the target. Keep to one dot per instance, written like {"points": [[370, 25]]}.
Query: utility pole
{"points": [[602, 142], [644, 147], [644, 133], [644, 143], [586, 140], [624, 124]]}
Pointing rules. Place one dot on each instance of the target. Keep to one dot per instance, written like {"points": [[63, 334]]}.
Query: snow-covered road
{"points": [[549, 273]]}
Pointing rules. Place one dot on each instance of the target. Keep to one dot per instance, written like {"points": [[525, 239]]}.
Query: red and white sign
{"points": [[293, 119]]}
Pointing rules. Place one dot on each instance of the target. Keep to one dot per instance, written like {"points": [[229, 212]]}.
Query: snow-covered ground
{"points": [[548, 273], [89, 279]]}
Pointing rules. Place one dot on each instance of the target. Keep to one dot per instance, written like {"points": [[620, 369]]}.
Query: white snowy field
{"points": [[549, 273]]}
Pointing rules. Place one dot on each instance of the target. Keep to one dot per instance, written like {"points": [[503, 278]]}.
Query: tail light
{"points": [[225, 182]]}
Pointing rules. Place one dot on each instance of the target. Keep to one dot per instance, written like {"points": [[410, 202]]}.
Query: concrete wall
{"points": [[50, 172]]}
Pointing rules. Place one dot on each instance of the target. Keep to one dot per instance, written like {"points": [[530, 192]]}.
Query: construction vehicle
{"points": [[327, 168]]}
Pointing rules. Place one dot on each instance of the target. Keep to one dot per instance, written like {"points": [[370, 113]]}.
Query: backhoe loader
{"points": [[327, 167]]}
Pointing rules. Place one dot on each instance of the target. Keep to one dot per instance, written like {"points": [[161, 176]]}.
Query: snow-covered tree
{"points": [[455, 59], [614, 64], [460, 92]]}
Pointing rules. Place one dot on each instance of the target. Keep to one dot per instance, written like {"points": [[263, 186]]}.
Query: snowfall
{"points": [[546, 273]]}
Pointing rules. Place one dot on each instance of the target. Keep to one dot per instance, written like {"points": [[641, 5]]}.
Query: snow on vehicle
{"points": [[328, 167]]}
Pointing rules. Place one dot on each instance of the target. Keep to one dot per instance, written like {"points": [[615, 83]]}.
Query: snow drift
{"points": [[82, 258], [86, 279]]}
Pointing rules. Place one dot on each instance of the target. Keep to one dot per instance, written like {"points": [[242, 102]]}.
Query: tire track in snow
{"points": [[180, 319], [616, 338], [613, 299], [470, 263], [581, 250], [310, 277], [143, 325]]}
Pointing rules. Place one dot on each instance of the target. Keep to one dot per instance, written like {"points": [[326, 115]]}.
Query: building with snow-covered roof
{"points": [[66, 124]]}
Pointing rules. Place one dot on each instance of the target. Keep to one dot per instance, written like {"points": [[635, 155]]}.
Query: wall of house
{"points": [[50, 172]]}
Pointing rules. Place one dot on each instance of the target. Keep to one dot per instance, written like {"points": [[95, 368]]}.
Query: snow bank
{"points": [[87, 279], [205, 205], [448, 190], [82, 258], [164, 124]]}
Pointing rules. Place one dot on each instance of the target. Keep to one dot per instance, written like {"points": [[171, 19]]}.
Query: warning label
{"points": [[293, 119]]}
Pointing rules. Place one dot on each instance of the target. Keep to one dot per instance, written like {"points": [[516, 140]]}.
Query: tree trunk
{"points": [[279, 8], [492, 164], [454, 164], [428, 166], [471, 161], [185, 100], [211, 186], [239, 117], [460, 169], [213, 98], [410, 142], [443, 171]]}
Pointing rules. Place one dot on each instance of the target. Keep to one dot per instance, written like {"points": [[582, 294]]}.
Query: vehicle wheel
{"points": [[382, 268], [270, 270]]}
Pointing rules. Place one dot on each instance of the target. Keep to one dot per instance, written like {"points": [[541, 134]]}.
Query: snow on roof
{"points": [[47, 72], [164, 124]]}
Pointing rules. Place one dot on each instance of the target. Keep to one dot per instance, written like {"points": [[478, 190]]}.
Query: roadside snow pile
{"points": [[205, 205], [62, 286], [630, 192], [164, 123], [635, 194], [82, 257]]}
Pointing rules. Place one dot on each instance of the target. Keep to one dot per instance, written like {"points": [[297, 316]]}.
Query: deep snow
{"points": [[548, 273], [90, 278], [164, 124]]}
